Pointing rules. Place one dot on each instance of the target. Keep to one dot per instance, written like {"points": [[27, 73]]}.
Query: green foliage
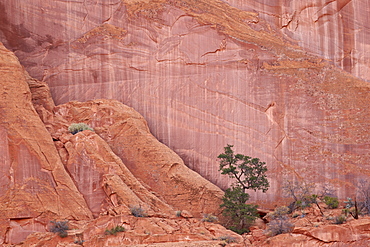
{"points": [[301, 193], [351, 208], [242, 215], [80, 242], [340, 219], [332, 202], [60, 227], [138, 211], [78, 127], [114, 230], [279, 212], [209, 218], [249, 173]]}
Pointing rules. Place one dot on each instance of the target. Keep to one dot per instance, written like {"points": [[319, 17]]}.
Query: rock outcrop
{"points": [[336, 30], [351, 234], [280, 81], [152, 162], [35, 186], [209, 73], [148, 231], [49, 174], [99, 174]]}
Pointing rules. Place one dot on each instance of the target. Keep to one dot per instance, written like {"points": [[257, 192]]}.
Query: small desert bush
{"points": [[279, 212], [331, 202], [278, 226], [340, 219], [138, 211], [228, 239], [296, 214], [114, 230], [80, 242], [301, 192], [280, 222], [209, 218], [78, 127], [60, 227]]}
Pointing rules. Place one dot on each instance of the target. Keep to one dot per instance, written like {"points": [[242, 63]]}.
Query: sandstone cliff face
{"points": [[49, 174], [99, 173], [35, 186], [336, 30], [152, 162], [207, 73]]}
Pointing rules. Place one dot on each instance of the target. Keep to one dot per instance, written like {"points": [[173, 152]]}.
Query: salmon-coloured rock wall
{"points": [[34, 182], [48, 174], [208, 73], [154, 164], [336, 30], [99, 174]]}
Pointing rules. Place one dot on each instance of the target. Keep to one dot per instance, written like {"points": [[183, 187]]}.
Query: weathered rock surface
{"points": [[141, 232], [34, 183], [205, 74], [354, 233], [105, 182], [79, 177], [336, 30], [315, 229], [152, 162]]}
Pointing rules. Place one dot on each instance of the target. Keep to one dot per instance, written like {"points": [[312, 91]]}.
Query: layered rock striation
{"points": [[209, 73], [335, 30], [49, 175], [32, 174]]}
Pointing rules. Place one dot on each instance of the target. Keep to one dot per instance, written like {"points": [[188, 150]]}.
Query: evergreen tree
{"points": [[249, 173]]}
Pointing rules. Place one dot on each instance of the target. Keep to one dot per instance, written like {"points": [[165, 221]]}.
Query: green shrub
{"points": [[247, 173], [114, 230], [209, 218], [340, 219], [279, 212], [138, 211], [241, 215], [60, 227], [228, 239], [300, 192], [332, 202], [78, 127]]}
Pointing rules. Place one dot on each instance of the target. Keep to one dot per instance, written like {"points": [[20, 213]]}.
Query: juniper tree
{"points": [[248, 173]]}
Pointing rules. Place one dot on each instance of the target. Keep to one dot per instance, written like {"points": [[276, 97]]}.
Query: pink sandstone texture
{"points": [[279, 81], [246, 83], [335, 30], [35, 186], [48, 174], [128, 139]]}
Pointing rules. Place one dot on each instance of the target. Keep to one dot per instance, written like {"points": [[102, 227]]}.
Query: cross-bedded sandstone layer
{"points": [[209, 73]]}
